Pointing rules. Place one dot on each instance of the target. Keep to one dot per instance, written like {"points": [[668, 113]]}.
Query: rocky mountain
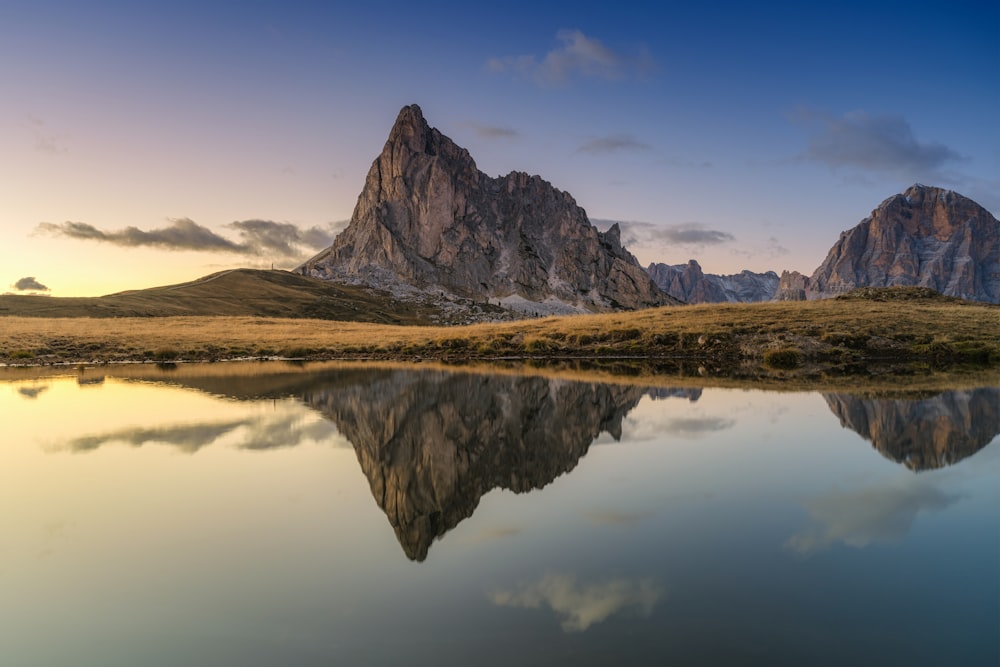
{"points": [[926, 237], [433, 443], [925, 433], [690, 284], [427, 218]]}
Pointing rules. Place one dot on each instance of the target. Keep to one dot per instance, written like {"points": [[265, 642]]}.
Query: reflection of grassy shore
{"points": [[849, 334]]}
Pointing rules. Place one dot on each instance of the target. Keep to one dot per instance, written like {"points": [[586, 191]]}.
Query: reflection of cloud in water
{"points": [[188, 438], [493, 534], [867, 516], [259, 433], [651, 428], [31, 392], [288, 432], [580, 606], [616, 518], [695, 427]]}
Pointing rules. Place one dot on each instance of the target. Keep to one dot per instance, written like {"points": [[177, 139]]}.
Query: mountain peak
{"points": [[926, 236], [410, 129], [428, 219]]}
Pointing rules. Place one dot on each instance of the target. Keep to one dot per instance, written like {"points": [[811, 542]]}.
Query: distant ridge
{"points": [[690, 284], [428, 219]]}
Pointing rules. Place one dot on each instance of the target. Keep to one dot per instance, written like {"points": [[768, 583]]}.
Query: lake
{"points": [[266, 514]]}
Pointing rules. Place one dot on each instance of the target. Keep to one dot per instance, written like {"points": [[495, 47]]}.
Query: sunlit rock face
{"points": [[927, 433], [924, 237], [428, 218], [690, 284], [433, 443]]}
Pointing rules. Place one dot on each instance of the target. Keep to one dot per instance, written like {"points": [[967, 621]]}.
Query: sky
{"points": [[149, 143]]}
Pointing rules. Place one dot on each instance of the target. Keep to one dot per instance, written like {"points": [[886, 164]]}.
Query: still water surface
{"points": [[382, 516]]}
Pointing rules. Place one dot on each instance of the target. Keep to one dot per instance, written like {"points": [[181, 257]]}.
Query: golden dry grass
{"points": [[788, 335]]}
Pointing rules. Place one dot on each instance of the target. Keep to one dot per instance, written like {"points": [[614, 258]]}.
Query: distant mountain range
{"points": [[690, 284], [428, 221], [433, 240]]}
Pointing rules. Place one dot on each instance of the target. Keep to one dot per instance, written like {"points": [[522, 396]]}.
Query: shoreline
{"points": [[835, 337]]}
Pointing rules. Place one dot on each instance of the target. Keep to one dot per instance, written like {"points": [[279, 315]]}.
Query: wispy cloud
{"points": [[252, 433], [258, 238], [576, 56], [616, 518], [46, 141], [686, 233], [494, 534], [874, 143], [581, 606], [188, 438], [29, 284], [696, 427], [614, 143], [770, 248], [493, 131]]}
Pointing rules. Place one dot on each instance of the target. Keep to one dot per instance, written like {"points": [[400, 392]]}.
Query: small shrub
{"points": [[537, 345], [784, 357], [165, 354]]}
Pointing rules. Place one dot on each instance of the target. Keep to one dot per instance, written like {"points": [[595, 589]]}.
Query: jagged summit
{"points": [[427, 218], [926, 236], [689, 283]]}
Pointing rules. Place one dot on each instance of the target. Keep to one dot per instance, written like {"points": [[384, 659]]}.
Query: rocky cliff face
{"points": [[923, 434], [428, 218], [926, 237], [690, 284], [433, 443]]}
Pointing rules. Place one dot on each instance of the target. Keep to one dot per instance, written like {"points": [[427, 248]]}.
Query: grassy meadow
{"points": [[845, 335]]}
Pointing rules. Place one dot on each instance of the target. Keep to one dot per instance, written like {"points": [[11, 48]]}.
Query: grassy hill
{"points": [[240, 292]]}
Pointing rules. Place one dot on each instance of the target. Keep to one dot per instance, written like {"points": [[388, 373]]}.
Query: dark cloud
{"points": [[29, 284], [493, 131], [577, 56], [613, 144], [259, 238], [874, 143], [31, 392], [255, 433], [282, 239], [686, 233], [189, 438], [181, 234]]}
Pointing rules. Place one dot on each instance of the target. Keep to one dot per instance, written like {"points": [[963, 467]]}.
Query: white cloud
{"points": [[579, 606], [876, 515]]}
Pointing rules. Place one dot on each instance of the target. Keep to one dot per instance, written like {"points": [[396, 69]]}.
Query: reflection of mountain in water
{"points": [[923, 434], [433, 443]]}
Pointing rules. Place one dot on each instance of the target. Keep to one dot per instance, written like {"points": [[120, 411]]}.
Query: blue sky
{"points": [[184, 138]]}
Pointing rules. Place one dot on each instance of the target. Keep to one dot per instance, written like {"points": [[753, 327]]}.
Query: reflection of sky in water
{"points": [[139, 529]]}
